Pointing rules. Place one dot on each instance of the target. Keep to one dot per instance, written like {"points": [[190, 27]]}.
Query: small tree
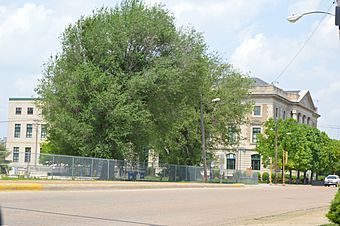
{"points": [[3, 162], [334, 211]]}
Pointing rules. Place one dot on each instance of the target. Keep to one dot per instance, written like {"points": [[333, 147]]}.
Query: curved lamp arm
{"points": [[293, 18]]}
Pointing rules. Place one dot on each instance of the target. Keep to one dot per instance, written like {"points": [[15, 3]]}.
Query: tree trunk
{"points": [[305, 177], [316, 176], [290, 176], [311, 177], [298, 177]]}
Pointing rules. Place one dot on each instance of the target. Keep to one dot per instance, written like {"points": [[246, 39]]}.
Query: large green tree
{"points": [[308, 148], [126, 79]]}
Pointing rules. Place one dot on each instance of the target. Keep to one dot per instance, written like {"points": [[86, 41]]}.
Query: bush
{"points": [[334, 211], [265, 177], [216, 173]]}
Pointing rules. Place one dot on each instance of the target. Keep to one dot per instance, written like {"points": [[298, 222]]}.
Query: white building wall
{"points": [[23, 119]]}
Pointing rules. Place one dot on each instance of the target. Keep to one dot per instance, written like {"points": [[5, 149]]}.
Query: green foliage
{"points": [[334, 211], [127, 79], [265, 177], [307, 147], [3, 153], [3, 162]]}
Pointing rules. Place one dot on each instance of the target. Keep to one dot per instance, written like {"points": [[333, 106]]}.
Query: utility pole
{"points": [[36, 123], [270, 170], [275, 167], [204, 154], [337, 15], [283, 167]]}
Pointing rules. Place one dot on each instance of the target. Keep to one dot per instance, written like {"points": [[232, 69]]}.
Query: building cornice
{"points": [[293, 103]]}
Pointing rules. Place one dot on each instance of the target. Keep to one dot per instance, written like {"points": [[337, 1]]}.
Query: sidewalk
{"points": [[90, 185]]}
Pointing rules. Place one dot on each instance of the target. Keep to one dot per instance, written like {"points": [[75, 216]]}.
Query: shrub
{"points": [[334, 211], [321, 178], [216, 173], [265, 177]]}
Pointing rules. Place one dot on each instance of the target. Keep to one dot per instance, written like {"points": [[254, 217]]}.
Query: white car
{"points": [[332, 180]]}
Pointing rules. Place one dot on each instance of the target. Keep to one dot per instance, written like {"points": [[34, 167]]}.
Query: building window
{"points": [[303, 119], [284, 115], [27, 154], [276, 113], [231, 161], [43, 131], [17, 130], [256, 162], [308, 121], [30, 111], [15, 154], [256, 130], [257, 111], [18, 111], [29, 129]]}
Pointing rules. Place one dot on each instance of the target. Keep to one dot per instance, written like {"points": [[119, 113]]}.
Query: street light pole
{"points": [[296, 17], [36, 123], [204, 154], [284, 162], [283, 167], [275, 167], [338, 15], [293, 18]]}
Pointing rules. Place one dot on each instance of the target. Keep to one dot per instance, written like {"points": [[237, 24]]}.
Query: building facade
{"points": [[25, 131], [269, 102]]}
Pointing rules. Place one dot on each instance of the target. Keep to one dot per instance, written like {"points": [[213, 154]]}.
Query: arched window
{"points": [[303, 119], [231, 161], [308, 121], [256, 162]]}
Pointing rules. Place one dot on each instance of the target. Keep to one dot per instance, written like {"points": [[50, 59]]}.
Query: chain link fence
{"points": [[52, 166]]}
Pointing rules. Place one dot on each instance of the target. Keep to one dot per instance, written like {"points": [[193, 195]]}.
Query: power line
{"points": [[302, 47]]}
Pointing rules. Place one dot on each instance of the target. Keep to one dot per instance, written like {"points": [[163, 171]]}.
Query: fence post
{"points": [[175, 172], [108, 169], [195, 173], [72, 166], [91, 167], [52, 165], [186, 173]]}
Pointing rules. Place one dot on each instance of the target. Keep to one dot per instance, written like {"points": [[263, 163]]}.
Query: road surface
{"points": [[249, 205]]}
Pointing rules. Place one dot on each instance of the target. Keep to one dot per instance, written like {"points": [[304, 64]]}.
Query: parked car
{"points": [[332, 180]]}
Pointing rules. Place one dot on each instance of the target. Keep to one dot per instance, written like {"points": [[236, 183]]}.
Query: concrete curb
{"points": [[24, 186], [21, 187]]}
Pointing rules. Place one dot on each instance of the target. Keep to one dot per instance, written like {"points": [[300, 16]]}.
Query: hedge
{"points": [[334, 211]]}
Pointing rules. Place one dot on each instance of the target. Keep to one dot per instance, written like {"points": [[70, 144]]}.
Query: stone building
{"points": [[25, 131], [269, 102]]}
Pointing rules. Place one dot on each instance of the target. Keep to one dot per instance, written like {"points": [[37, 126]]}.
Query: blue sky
{"points": [[252, 35]]}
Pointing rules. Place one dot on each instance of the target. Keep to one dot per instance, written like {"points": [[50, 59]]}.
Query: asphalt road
{"points": [[183, 206]]}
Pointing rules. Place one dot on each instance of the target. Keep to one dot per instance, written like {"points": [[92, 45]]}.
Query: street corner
{"points": [[21, 187]]}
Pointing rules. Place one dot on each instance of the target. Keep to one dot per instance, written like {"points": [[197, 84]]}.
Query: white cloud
{"points": [[263, 56], [233, 13], [301, 6]]}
